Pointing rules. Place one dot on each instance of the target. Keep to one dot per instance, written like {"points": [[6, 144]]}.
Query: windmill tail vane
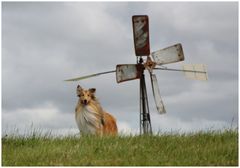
{"points": [[168, 55]]}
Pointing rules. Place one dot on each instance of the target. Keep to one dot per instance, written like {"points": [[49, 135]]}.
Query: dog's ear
{"points": [[79, 90], [92, 90]]}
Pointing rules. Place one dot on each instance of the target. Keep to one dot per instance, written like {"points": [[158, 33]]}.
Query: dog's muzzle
{"points": [[84, 102]]}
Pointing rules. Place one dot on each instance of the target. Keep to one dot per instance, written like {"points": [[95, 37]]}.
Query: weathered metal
{"points": [[195, 71], [126, 72], [141, 35], [191, 71], [149, 64], [168, 55], [89, 76], [156, 94], [145, 120]]}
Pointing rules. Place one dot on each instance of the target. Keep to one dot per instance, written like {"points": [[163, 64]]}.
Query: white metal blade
{"points": [[156, 94], [168, 55], [195, 71], [126, 72]]}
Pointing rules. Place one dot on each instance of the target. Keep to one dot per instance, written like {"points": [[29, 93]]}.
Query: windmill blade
{"points": [[88, 76], [141, 35], [195, 71], [126, 72], [168, 55], [191, 71], [156, 94]]}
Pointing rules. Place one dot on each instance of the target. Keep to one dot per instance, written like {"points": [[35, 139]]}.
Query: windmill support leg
{"points": [[145, 122]]}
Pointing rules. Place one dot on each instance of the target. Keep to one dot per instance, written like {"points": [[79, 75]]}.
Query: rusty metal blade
{"points": [[168, 55], [126, 72], [156, 94], [141, 35], [88, 76]]}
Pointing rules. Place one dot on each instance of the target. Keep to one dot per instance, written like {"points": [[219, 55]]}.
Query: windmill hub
{"points": [[149, 64]]}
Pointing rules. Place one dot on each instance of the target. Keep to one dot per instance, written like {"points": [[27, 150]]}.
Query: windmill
{"points": [[149, 61]]}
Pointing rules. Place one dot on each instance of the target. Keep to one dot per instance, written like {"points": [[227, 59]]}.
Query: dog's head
{"points": [[86, 96]]}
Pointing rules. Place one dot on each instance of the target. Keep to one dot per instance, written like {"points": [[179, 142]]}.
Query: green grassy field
{"points": [[196, 149]]}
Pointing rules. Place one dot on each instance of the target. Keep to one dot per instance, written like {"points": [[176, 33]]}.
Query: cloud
{"points": [[47, 116], [47, 119], [161, 125]]}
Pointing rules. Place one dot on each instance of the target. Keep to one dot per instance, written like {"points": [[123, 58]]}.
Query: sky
{"points": [[44, 43]]}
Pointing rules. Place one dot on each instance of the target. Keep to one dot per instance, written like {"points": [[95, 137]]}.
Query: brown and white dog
{"points": [[90, 117]]}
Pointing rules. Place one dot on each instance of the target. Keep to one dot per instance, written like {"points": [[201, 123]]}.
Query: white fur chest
{"points": [[87, 120]]}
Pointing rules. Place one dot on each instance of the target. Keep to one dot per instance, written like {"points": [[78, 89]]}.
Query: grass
{"points": [[197, 149]]}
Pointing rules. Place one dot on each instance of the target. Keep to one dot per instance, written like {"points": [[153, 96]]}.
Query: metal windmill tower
{"points": [[147, 60]]}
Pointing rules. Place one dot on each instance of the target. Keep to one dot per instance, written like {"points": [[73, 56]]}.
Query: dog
{"points": [[90, 117]]}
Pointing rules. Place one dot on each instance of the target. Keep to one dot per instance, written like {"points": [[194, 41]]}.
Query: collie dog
{"points": [[90, 117]]}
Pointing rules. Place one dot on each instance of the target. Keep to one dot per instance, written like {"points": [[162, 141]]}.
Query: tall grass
{"points": [[212, 148]]}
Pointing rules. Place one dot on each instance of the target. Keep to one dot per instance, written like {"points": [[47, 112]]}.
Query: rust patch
{"points": [[141, 35], [126, 72]]}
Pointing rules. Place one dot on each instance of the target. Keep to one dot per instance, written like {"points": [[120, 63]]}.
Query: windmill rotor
{"points": [[154, 61]]}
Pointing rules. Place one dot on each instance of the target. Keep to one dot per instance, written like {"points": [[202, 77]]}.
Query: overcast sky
{"points": [[45, 43]]}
